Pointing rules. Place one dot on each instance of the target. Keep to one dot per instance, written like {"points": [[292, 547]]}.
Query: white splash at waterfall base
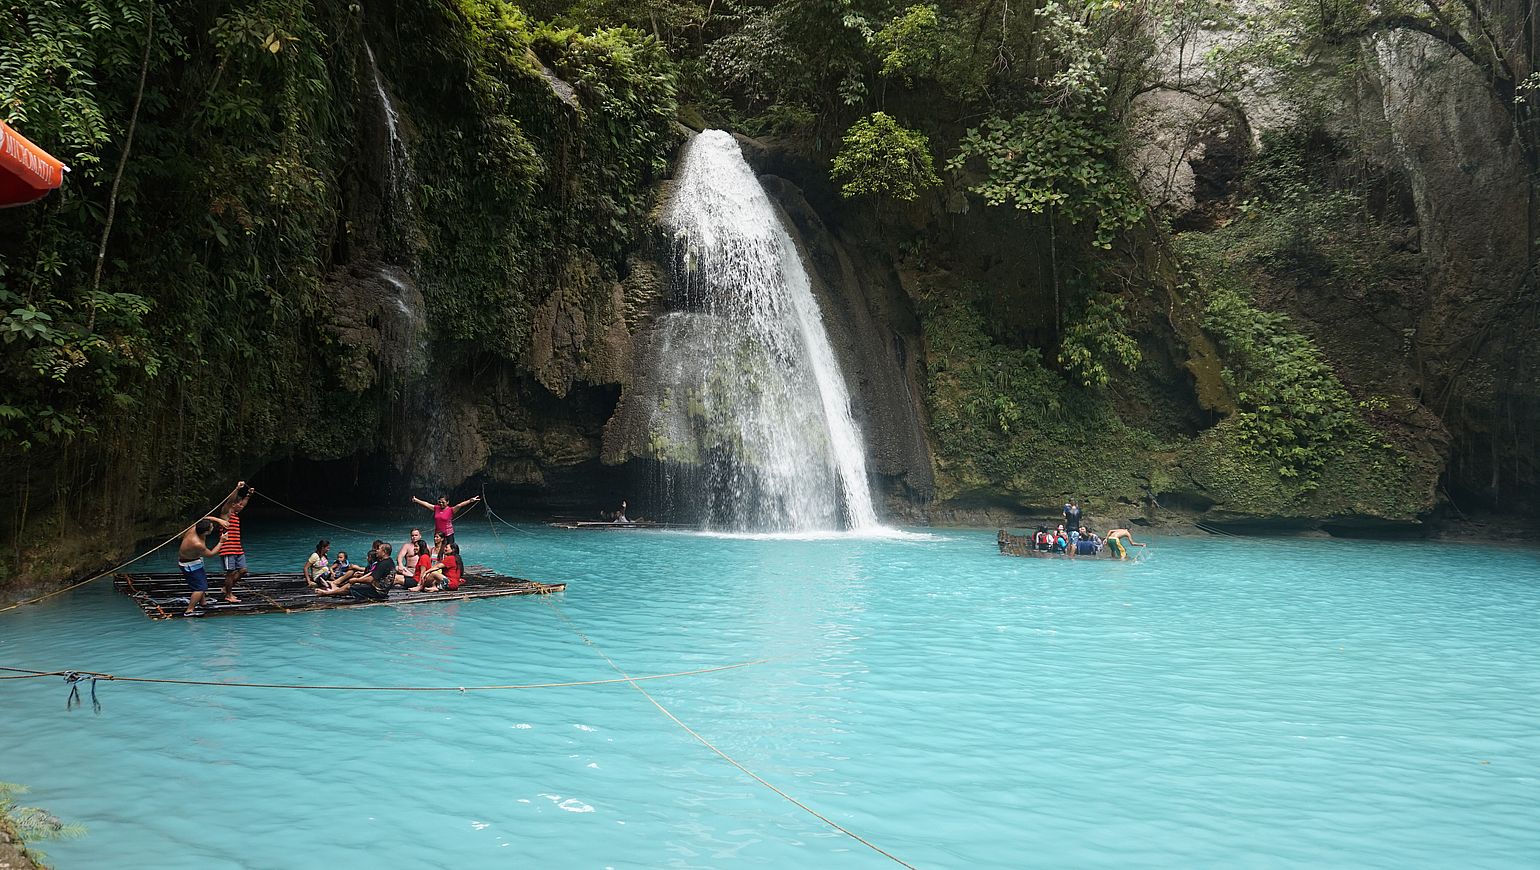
{"points": [[749, 390]]}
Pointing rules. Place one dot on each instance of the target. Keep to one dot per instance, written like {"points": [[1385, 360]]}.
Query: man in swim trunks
{"points": [[1116, 538], [190, 562], [230, 549], [444, 515]]}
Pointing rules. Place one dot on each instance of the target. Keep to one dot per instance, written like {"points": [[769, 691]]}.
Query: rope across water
{"points": [[28, 674], [635, 684], [109, 571]]}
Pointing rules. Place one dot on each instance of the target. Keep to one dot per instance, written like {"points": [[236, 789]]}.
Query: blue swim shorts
{"points": [[192, 572], [235, 563]]}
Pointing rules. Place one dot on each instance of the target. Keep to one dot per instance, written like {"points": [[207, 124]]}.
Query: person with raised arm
{"points": [[444, 514], [189, 563], [230, 549]]}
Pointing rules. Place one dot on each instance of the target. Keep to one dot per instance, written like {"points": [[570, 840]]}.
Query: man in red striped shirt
{"points": [[229, 548]]}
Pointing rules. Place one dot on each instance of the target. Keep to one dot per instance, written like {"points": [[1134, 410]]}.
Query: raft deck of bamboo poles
{"points": [[164, 595]]}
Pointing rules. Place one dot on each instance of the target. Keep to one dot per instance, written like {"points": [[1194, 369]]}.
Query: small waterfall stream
{"points": [[749, 388], [399, 178]]}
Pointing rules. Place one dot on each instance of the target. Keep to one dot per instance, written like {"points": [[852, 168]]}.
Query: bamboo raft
{"points": [[601, 525], [1021, 545], [164, 595]]}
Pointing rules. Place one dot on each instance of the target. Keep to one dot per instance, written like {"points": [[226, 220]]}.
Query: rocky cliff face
{"points": [[1472, 331]]}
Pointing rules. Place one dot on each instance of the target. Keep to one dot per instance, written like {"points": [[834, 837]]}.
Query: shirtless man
{"points": [[1115, 539], [406, 560], [190, 557]]}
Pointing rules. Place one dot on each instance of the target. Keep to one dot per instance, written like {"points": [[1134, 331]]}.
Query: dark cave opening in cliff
{"points": [[368, 484]]}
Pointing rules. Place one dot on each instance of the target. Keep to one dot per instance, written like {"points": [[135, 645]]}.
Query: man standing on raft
{"points": [[444, 515], [190, 562], [230, 543]]}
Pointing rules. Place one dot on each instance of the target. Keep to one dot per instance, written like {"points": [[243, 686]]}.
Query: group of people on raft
{"points": [[418, 567], [1080, 541]]}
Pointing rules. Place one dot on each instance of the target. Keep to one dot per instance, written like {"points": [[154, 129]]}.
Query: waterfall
{"points": [[748, 389], [398, 163], [405, 328]]}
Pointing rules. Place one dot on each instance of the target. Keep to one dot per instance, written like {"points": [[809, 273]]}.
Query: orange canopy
{"points": [[27, 172]]}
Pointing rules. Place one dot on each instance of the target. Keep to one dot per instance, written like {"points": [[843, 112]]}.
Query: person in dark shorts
{"points": [[190, 557], [372, 586]]}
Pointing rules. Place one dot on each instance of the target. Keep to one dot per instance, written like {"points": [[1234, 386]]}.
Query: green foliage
{"points": [[880, 157], [1293, 410], [1002, 420], [910, 44], [31, 824], [1097, 335], [1059, 162], [213, 339]]}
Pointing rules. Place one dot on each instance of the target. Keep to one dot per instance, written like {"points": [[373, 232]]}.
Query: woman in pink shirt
{"points": [[444, 514]]}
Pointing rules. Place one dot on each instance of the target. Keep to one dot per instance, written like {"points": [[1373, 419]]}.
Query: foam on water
{"points": [[1229, 702]]}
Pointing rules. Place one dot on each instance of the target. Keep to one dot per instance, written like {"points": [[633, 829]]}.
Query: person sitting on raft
{"points": [[373, 586], [444, 515], [190, 556], [318, 570], [419, 563], [1060, 540], [1088, 544], [620, 515], [341, 568], [1115, 539], [1040, 539], [448, 573]]}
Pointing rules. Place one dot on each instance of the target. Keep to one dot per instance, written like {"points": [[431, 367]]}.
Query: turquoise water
{"points": [[1226, 702]]}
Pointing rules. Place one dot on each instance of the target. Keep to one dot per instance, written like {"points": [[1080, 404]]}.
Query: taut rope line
{"points": [[723, 755], [26, 674], [109, 571], [315, 519], [635, 684]]}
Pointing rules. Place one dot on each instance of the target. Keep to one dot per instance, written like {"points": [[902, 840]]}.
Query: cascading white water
{"points": [[750, 389], [398, 164]]}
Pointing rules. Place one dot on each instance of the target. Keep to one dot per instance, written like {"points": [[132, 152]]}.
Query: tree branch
{"points": [[128, 145], [1501, 84]]}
